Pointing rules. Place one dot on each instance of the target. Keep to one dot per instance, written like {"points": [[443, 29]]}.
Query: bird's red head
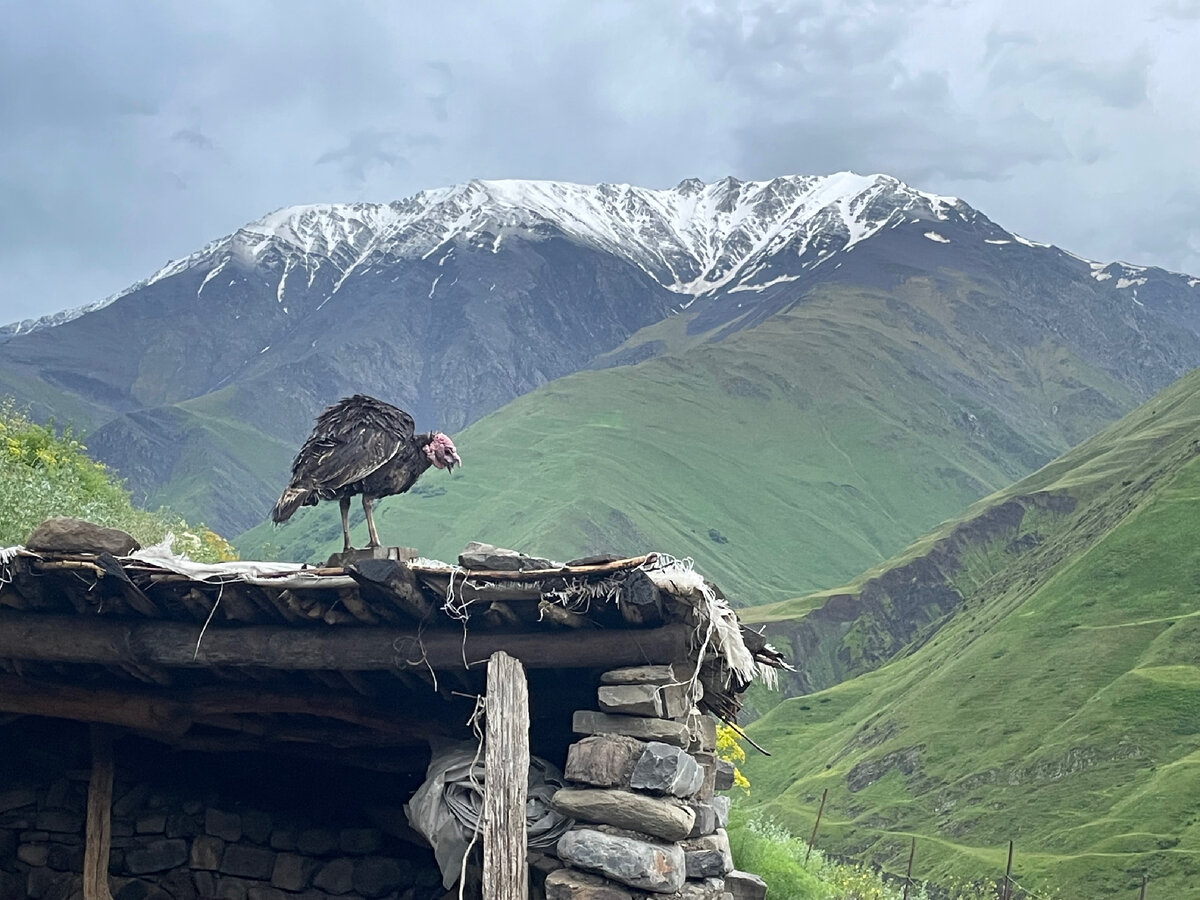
{"points": [[442, 453]]}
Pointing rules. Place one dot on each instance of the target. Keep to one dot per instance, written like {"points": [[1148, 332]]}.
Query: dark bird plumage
{"points": [[361, 445]]}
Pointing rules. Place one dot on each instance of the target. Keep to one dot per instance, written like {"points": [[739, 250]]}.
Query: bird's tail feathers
{"points": [[290, 501]]}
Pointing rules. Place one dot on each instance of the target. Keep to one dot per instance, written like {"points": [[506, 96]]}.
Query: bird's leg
{"points": [[367, 501], [344, 503]]}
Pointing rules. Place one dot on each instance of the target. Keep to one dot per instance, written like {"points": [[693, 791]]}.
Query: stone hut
{"points": [[382, 727]]}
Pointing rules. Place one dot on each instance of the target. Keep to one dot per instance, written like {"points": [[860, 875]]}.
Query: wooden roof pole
{"points": [[104, 640], [506, 764], [98, 826]]}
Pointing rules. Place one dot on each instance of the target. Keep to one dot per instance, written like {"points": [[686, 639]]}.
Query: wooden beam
{"points": [[224, 707], [98, 827], [506, 768], [96, 639]]}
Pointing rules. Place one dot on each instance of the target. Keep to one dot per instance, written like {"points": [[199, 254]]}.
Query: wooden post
{"points": [[98, 829], [812, 838], [908, 875], [506, 766], [1142, 893], [1007, 892]]}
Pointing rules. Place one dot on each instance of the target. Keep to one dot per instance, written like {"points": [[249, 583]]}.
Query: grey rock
{"points": [[151, 823], [225, 825], [631, 699], [33, 854], [665, 769], [207, 852], [571, 884], [39, 881], [63, 534], [706, 818], [248, 862], [640, 675], [16, 798], [262, 892], [156, 856], [65, 859], [669, 820], [721, 806], [205, 883], [477, 555], [724, 776], [586, 721], [283, 839], [231, 889], [336, 876], [654, 867], [375, 876], [708, 856], [59, 820], [745, 886], [182, 825], [292, 872], [605, 760]]}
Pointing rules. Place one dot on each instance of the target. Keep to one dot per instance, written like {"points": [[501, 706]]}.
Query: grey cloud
{"points": [[1122, 86], [193, 138], [143, 130]]}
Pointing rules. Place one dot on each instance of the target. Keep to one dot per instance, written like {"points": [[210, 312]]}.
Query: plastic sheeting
{"points": [[448, 807]]}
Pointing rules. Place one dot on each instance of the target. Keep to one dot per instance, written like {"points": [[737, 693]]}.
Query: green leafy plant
{"points": [[46, 472]]}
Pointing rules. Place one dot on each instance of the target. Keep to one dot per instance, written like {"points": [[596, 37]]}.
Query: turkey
{"points": [[361, 445]]}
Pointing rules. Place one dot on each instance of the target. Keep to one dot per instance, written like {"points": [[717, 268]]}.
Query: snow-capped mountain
{"points": [[692, 239], [457, 300]]}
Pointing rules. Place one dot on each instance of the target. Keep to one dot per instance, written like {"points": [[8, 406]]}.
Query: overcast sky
{"points": [[134, 132]]}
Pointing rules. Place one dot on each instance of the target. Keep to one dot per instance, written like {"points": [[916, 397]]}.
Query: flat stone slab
{"points": [[603, 760], [658, 868], [586, 721], [641, 675], [669, 820], [572, 884], [708, 856], [631, 699], [63, 534], [745, 886]]}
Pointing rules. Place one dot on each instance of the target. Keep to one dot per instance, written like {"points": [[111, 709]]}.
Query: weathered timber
{"points": [[392, 582], [506, 763], [173, 715], [138, 711], [98, 825], [35, 636], [640, 600], [618, 565]]}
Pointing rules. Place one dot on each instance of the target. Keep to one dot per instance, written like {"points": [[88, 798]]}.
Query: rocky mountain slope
{"points": [[456, 301], [1026, 672]]}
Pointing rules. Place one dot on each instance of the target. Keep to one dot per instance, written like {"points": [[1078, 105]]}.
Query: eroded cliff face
{"points": [[902, 607]]}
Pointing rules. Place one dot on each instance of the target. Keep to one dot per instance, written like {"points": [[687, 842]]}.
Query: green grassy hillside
{"points": [[785, 457], [1058, 705]]}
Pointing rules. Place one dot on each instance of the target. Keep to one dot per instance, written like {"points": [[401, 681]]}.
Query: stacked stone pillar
{"points": [[641, 790]]}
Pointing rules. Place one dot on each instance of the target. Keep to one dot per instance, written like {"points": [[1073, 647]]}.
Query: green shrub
{"points": [[45, 472]]}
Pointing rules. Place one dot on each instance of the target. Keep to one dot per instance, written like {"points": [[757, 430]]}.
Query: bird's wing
{"points": [[351, 440]]}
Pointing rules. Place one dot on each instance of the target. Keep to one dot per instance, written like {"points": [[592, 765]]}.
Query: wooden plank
{"points": [[95, 639], [393, 582], [98, 827], [506, 764]]}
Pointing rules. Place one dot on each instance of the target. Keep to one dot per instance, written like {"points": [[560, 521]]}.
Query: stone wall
{"points": [[181, 842], [643, 783]]}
